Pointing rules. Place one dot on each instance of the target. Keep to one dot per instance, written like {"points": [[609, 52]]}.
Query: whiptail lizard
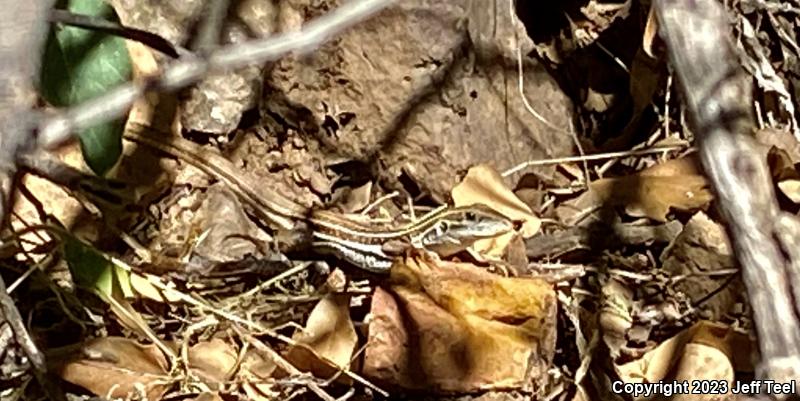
{"points": [[371, 247]]}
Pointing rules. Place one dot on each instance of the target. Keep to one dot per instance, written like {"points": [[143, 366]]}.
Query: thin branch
{"points": [[187, 70], [718, 101], [594, 157], [49, 167]]}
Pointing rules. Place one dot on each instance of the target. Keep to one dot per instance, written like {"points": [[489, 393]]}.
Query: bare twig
{"points": [[597, 156], [49, 167], [718, 97], [187, 70]]}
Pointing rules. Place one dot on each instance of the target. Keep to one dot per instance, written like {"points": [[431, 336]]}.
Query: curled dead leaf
{"points": [[255, 374], [117, 367], [327, 342], [485, 185], [706, 351], [650, 32], [784, 173], [453, 327], [213, 361]]}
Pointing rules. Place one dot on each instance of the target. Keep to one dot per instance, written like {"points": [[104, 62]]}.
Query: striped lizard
{"points": [[371, 247]]}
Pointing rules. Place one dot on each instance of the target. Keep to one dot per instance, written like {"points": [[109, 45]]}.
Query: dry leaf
{"points": [[453, 327], [328, 340], [703, 352], [255, 374], [781, 164], [213, 361], [791, 188], [784, 173], [650, 32], [705, 364], [651, 193], [497, 247], [484, 185], [117, 367]]}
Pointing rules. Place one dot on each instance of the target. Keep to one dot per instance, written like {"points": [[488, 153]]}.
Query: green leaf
{"points": [[79, 65], [92, 270]]}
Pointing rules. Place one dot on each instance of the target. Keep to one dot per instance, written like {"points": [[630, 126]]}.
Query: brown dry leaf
{"points": [[652, 192], [255, 374], [707, 351], [117, 367], [328, 340], [704, 363], [484, 185], [212, 361], [496, 249], [781, 164], [783, 171], [453, 327], [650, 32], [260, 392]]}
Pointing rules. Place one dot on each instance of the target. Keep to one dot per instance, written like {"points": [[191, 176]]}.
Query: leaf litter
{"points": [[619, 261]]}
